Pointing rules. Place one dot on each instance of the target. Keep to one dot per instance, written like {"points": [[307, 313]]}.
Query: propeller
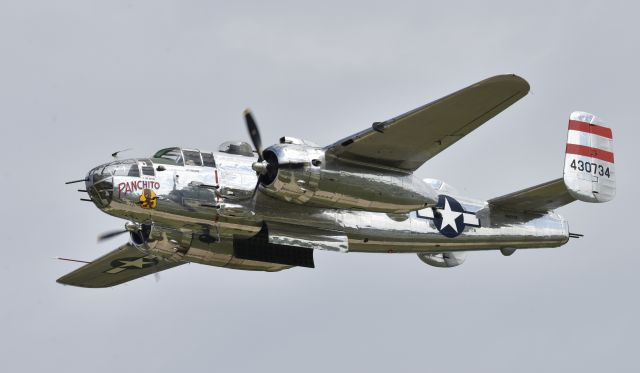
{"points": [[265, 168], [128, 227], [254, 133], [110, 234], [261, 166]]}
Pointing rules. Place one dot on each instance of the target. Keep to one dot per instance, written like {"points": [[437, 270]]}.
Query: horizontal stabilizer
{"points": [[540, 198], [589, 173]]}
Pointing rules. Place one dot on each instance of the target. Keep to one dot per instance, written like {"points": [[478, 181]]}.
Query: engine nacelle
{"points": [[299, 173], [168, 243], [443, 260]]}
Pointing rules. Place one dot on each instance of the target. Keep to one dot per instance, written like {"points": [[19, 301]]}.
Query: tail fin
{"points": [[589, 173]]}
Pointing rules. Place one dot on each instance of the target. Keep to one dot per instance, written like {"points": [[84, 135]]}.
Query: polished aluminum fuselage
{"points": [[202, 209]]}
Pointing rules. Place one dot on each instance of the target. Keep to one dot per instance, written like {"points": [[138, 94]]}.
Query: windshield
{"points": [[183, 157], [173, 155]]}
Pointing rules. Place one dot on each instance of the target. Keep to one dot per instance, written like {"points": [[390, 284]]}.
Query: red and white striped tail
{"points": [[589, 171]]}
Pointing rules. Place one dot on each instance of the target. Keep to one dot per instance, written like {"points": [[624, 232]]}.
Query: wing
{"points": [[407, 141], [123, 264], [540, 198]]}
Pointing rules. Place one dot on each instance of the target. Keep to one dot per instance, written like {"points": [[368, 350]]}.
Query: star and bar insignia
{"points": [[123, 264], [449, 216]]}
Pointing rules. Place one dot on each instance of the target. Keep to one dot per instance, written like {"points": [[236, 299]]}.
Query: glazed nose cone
{"points": [[100, 188]]}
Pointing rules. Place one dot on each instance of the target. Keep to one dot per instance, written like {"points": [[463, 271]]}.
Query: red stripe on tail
{"points": [[590, 128], [588, 151]]}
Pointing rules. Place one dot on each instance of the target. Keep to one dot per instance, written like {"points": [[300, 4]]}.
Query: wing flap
{"points": [[123, 264], [540, 198], [309, 237], [407, 141]]}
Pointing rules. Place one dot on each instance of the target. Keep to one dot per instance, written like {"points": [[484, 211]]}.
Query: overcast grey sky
{"points": [[81, 79]]}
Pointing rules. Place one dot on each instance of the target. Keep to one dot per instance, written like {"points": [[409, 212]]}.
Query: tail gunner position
{"points": [[268, 209]]}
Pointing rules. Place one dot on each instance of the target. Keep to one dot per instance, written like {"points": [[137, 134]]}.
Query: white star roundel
{"points": [[123, 264], [449, 217]]}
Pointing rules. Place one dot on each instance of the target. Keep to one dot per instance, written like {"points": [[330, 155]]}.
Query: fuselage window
{"points": [[192, 158], [148, 171], [207, 160]]}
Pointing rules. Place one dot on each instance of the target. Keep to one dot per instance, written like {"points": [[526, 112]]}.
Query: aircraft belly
{"points": [[370, 232]]}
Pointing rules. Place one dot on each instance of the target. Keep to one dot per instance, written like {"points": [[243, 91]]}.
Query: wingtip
{"points": [[514, 82], [62, 281], [517, 79]]}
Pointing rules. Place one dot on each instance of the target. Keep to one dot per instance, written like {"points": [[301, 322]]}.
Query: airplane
{"points": [[267, 209]]}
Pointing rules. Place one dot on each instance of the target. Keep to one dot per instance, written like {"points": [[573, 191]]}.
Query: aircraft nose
{"points": [[99, 183]]}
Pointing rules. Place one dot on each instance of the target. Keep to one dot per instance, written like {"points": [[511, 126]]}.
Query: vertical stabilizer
{"points": [[589, 172]]}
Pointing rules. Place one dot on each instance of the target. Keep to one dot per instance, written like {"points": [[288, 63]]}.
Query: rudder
{"points": [[589, 172]]}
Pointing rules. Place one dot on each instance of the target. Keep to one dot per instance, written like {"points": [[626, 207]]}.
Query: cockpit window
{"points": [[182, 157], [207, 160], [173, 155], [192, 158]]}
